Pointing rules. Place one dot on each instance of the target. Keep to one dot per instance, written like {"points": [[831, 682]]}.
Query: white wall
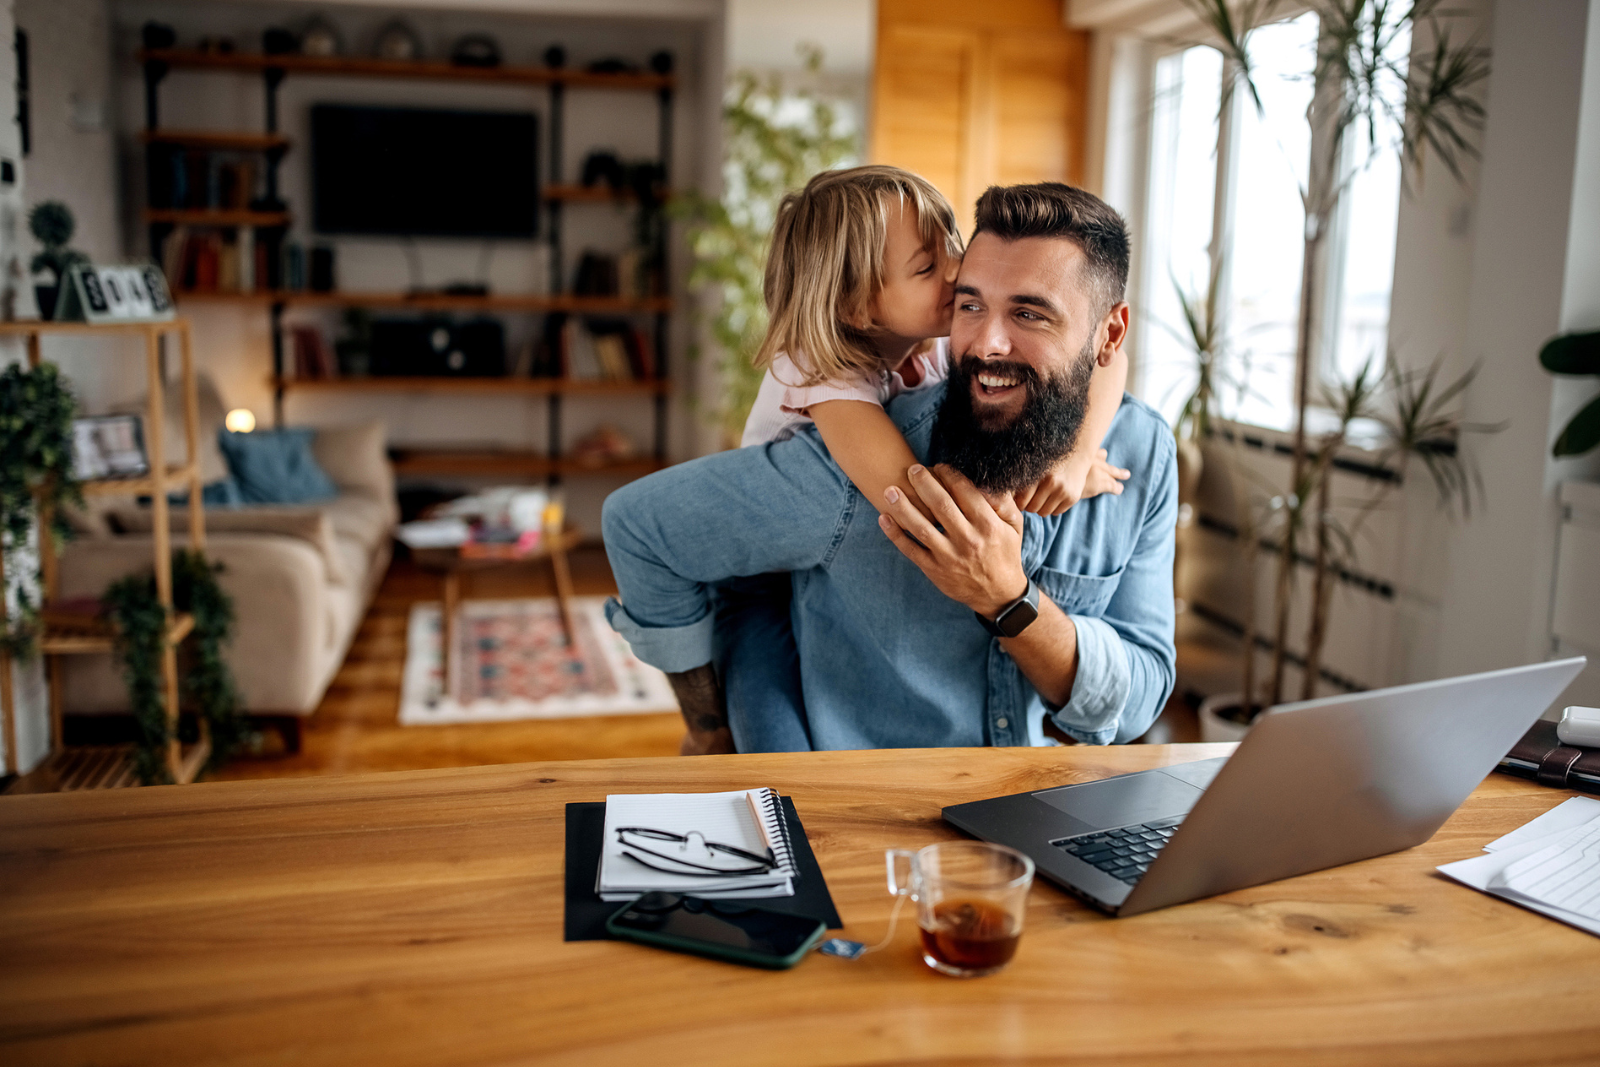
{"points": [[1534, 269], [762, 34]]}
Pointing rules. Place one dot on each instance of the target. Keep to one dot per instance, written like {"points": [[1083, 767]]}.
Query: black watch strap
{"points": [[1016, 616]]}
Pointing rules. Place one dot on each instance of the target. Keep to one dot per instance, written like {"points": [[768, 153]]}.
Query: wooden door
{"points": [[972, 95]]}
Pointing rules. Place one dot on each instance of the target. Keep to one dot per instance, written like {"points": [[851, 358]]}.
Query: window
{"points": [[1183, 173], [1252, 234]]}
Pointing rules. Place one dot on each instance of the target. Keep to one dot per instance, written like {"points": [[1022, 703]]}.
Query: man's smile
{"points": [[996, 384]]}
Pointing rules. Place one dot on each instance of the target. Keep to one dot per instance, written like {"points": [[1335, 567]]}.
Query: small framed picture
{"points": [[108, 446]]}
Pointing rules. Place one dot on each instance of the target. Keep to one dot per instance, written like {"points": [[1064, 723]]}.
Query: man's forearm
{"points": [[705, 711], [1047, 653]]}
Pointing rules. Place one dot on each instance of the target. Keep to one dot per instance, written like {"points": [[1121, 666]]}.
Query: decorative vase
{"points": [[320, 38], [397, 41], [45, 297], [1213, 726]]}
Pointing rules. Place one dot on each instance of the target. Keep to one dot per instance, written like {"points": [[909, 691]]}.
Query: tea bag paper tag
{"points": [[845, 950]]}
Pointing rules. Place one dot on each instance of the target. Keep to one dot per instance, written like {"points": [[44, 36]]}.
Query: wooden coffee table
{"points": [[450, 563]]}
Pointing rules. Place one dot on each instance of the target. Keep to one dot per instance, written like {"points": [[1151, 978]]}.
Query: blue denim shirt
{"points": [[886, 660]]}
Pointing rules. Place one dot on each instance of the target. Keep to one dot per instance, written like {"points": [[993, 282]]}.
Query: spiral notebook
{"points": [[747, 819]]}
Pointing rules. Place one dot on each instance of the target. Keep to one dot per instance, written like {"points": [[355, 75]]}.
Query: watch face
{"points": [[1017, 618]]}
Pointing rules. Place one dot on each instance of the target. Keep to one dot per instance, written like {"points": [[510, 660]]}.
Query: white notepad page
{"points": [[1554, 857], [1564, 874], [722, 817]]}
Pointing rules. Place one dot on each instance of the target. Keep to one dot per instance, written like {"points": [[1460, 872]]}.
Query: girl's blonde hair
{"points": [[825, 265]]}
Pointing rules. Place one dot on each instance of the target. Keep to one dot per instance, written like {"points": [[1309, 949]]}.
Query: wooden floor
{"points": [[356, 728]]}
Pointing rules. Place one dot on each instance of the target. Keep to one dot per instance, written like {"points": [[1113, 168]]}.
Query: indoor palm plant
{"points": [[1358, 82]]}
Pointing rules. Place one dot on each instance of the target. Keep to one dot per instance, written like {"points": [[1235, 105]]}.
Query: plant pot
{"points": [[1216, 727], [45, 297]]}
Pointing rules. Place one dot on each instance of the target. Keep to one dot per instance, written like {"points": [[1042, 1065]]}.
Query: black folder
{"points": [[586, 913]]}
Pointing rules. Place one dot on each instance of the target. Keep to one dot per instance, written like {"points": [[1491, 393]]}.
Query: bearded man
{"points": [[984, 626]]}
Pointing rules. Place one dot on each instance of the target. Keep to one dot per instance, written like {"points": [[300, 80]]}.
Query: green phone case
{"points": [[711, 951]]}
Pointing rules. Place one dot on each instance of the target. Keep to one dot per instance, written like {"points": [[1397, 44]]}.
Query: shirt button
{"points": [[1002, 722]]}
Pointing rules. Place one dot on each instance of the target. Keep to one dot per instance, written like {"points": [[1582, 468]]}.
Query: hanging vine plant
{"points": [[206, 683], [36, 410]]}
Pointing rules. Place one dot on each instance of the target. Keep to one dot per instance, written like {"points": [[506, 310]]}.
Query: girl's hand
{"points": [[1072, 480]]}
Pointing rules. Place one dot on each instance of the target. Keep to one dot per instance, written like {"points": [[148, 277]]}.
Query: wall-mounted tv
{"points": [[419, 172]]}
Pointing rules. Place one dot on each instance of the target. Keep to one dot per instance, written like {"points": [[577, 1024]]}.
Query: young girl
{"points": [[860, 290]]}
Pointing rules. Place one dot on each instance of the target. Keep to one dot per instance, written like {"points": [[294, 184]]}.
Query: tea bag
{"points": [[846, 949]]}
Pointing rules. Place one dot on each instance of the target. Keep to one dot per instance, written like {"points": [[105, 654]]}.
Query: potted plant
{"points": [[52, 224], [140, 622], [36, 478], [777, 139], [1415, 414]]}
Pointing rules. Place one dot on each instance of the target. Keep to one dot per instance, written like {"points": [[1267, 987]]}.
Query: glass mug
{"points": [[971, 897]]}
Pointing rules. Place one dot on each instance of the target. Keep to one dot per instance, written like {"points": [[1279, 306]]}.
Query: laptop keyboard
{"points": [[1124, 854]]}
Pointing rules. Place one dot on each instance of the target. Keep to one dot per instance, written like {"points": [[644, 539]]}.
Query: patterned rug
{"points": [[513, 662]]}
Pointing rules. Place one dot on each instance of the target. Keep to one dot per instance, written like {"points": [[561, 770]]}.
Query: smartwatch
{"points": [[1015, 616]]}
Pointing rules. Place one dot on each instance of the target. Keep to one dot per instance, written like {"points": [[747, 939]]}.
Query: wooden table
{"points": [[415, 918], [451, 563]]}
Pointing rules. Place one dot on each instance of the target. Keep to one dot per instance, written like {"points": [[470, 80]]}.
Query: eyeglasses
{"points": [[695, 856]]}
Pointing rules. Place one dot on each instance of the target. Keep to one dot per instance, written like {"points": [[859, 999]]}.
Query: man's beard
{"points": [[1003, 459]]}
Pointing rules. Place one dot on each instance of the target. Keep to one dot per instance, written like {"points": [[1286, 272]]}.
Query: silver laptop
{"points": [[1313, 785]]}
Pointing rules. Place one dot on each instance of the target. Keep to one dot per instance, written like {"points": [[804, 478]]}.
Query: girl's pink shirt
{"points": [[780, 409]]}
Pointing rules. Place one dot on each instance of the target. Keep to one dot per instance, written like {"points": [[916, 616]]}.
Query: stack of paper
{"points": [[752, 820], [1551, 865]]}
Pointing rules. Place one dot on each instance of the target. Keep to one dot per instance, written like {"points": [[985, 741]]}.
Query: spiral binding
{"points": [[782, 850]]}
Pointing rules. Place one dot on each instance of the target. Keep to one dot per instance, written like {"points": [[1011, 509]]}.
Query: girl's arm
{"points": [[1084, 473], [868, 447]]}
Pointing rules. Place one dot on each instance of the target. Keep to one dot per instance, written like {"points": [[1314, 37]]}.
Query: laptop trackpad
{"points": [[1122, 801]]}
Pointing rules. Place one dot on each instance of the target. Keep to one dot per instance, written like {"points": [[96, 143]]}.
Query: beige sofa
{"points": [[301, 577]]}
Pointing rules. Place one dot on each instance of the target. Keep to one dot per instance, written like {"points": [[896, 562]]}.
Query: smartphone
{"points": [[722, 929]]}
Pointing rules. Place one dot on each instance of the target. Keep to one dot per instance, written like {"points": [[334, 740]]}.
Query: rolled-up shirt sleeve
{"points": [[1127, 661], [669, 536], [1100, 692], [668, 648]]}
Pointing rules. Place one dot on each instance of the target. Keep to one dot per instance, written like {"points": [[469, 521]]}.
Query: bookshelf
{"points": [[68, 632], [262, 227]]}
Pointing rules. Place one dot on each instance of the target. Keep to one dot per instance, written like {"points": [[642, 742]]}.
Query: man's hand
{"points": [[705, 712], [1073, 479], [976, 559]]}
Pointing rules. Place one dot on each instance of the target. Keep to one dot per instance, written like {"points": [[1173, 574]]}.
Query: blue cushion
{"points": [[276, 467]]}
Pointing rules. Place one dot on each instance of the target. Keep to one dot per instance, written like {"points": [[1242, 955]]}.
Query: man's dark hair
{"points": [[1053, 209]]}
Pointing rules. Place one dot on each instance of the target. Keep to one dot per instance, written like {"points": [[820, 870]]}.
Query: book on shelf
{"points": [[206, 259], [199, 179], [172, 256], [312, 359], [595, 350]]}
